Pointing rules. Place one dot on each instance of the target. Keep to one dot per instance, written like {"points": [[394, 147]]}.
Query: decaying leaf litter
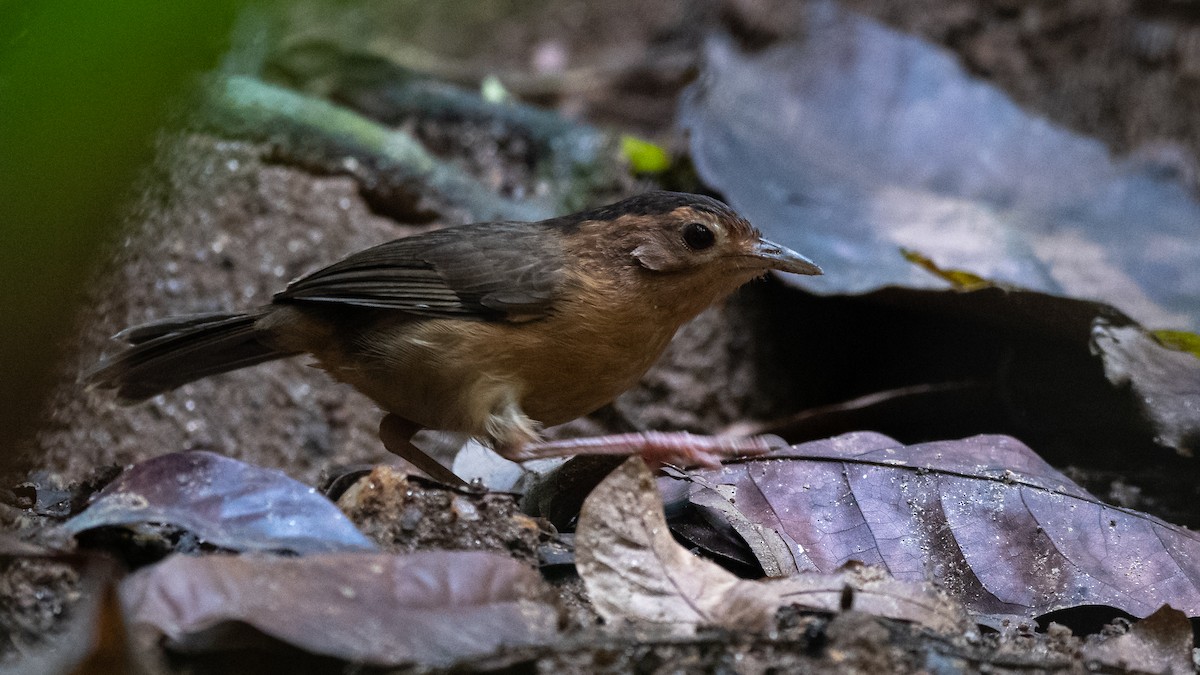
{"points": [[938, 337]]}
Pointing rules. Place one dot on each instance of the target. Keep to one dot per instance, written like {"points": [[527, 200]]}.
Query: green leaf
{"points": [[493, 90]]}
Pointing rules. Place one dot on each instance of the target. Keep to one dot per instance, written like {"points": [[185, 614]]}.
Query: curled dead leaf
{"points": [[634, 570]]}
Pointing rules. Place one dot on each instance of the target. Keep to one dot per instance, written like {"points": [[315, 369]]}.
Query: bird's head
{"points": [[685, 242]]}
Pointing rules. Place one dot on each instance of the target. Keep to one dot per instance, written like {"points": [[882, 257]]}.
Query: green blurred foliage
{"points": [[84, 86], [449, 28], [644, 156]]}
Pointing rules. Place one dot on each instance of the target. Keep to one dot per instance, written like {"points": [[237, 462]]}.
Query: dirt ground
{"points": [[223, 223]]}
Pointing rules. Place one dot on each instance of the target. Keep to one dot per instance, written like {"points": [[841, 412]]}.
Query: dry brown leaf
{"points": [[634, 570], [1160, 643]]}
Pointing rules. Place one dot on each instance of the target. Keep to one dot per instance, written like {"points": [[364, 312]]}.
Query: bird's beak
{"points": [[783, 258]]}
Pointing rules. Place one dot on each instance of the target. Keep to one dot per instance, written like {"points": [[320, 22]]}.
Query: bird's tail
{"points": [[166, 354]]}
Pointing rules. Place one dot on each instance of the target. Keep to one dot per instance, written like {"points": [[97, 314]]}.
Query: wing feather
{"points": [[487, 271]]}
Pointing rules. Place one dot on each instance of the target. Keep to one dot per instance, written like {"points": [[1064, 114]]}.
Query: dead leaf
{"points": [[871, 590], [634, 570], [814, 140], [88, 638], [227, 503], [1160, 643], [769, 549], [1179, 340], [430, 608], [984, 518], [962, 280], [109, 652], [1165, 382]]}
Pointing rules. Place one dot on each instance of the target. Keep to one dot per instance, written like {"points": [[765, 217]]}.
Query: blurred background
{"points": [[84, 90]]}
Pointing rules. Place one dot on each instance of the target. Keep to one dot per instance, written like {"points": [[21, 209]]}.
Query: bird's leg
{"points": [[656, 447], [396, 434], [515, 436]]}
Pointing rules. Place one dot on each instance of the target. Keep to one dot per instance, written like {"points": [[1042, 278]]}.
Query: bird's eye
{"points": [[698, 237]]}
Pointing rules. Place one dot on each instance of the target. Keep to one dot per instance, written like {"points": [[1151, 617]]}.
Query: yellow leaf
{"points": [[1179, 340], [960, 279], [644, 156]]}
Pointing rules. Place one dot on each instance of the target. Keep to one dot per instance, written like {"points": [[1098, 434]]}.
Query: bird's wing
{"points": [[487, 271]]}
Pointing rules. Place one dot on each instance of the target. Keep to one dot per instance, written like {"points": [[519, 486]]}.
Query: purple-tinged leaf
{"points": [[633, 569], [430, 608], [854, 141], [225, 503], [983, 517]]}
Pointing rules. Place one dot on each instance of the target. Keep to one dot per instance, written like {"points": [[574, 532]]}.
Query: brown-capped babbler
{"points": [[493, 329]]}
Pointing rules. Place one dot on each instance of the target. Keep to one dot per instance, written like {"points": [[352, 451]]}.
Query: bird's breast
{"points": [[452, 374]]}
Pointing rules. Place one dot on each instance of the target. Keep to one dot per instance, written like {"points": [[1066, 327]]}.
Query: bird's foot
{"points": [[396, 434], [656, 447]]}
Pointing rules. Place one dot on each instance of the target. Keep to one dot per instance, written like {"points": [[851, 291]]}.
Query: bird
{"points": [[492, 329]]}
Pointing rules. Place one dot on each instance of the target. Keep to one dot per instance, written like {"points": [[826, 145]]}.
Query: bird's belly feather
{"points": [[450, 374]]}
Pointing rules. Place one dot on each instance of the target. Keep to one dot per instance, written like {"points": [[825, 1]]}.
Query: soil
{"points": [[222, 224], [403, 515]]}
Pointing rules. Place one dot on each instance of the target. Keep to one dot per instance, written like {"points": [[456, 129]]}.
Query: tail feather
{"points": [[166, 354], [136, 335]]}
